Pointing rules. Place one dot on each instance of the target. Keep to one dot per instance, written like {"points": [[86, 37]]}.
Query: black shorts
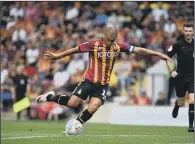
{"points": [[89, 89], [184, 84]]}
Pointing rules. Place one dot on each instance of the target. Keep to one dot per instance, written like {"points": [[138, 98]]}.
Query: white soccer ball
{"points": [[73, 127]]}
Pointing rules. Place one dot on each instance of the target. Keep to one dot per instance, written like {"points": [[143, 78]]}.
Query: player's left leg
{"points": [[93, 106]]}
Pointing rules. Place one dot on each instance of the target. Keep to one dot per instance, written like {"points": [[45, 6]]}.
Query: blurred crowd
{"points": [[28, 29]]}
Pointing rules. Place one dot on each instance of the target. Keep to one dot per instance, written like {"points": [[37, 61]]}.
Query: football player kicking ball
{"points": [[102, 56], [184, 74]]}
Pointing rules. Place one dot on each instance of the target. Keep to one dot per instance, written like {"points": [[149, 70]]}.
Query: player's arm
{"points": [[55, 56], [139, 50], [143, 51]]}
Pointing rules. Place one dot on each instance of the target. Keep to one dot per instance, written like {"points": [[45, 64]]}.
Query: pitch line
{"points": [[50, 136]]}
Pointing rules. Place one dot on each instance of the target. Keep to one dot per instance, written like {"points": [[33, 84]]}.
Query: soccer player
{"points": [[184, 73], [102, 56]]}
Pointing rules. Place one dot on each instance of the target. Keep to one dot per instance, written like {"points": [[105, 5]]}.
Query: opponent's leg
{"points": [[93, 106], [191, 112]]}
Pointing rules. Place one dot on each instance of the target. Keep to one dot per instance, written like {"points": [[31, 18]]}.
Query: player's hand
{"points": [[166, 58], [51, 56], [174, 74]]}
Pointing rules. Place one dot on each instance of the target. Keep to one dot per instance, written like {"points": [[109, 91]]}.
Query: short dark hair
{"points": [[188, 25]]}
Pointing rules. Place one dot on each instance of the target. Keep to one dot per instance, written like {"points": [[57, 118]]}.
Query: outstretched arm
{"points": [[144, 51], [54, 56]]}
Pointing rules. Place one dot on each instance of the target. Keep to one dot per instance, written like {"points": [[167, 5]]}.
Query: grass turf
{"points": [[48, 132]]}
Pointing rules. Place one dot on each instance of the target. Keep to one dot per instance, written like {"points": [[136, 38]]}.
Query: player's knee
{"points": [[93, 108], [191, 98]]}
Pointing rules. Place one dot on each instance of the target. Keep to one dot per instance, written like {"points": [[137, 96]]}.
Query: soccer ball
{"points": [[73, 127]]}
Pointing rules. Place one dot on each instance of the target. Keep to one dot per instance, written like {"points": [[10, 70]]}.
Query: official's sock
{"points": [[176, 105], [84, 116], [18, 115], [191, 114], [59, 99]]}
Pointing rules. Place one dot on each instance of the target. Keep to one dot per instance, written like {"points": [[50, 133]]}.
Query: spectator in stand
{"points": [[56, 111], [36, 87], [161, 100], [124, 67], [6, 94], [133, 98], [60, 78], [136, 33], [169, 28], [157, 37], [180, 21], [19, 36], [159, 11], [32, 54], [101, 17], [11, 23], [4, 72], [76, 63], [17, 11], [144, 99]]}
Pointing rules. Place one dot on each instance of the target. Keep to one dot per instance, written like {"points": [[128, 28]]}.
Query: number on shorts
{"points": [[76, 88], [104, 94], [79, 92]]}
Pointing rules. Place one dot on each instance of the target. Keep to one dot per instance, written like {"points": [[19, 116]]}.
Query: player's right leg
{"points": [[180, 88], [93, 106], [97, 98]]}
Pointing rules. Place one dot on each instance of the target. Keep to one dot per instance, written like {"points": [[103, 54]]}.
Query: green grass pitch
{"points": [[50, 132]]}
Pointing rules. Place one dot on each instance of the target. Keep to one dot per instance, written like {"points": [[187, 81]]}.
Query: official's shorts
{"points": [[183, 85], [89, 89]]}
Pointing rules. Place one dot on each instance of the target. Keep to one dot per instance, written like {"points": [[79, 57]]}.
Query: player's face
{"points": [[108, 39], [188, 32]]}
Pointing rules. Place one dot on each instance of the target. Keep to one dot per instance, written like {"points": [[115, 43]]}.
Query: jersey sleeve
{"points": [[86, 47], [172, 50], [124, 47]]}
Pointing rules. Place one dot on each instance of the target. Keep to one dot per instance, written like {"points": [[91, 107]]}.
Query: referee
{"points": [[184, 72]]}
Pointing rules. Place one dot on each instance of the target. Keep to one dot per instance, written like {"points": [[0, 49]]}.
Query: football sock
{"points": [[191, 114], [176, 105], [84, 116], [59, 99]]}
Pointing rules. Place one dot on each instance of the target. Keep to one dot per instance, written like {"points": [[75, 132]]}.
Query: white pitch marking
{"points": [[29, 137]]}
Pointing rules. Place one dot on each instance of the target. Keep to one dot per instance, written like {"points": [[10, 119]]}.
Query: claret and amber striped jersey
{"points": [[102, 59]]}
